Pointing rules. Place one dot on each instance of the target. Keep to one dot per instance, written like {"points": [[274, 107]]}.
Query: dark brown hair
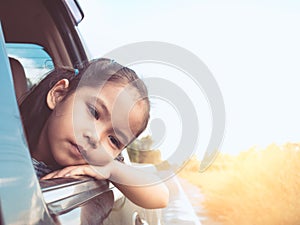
{"points": [[34, 109]]}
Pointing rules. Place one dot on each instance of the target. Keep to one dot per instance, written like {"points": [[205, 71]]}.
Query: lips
{"points": [[77, 149]]}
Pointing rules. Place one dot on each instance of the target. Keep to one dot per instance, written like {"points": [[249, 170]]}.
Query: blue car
{"points": [[37, 36]]}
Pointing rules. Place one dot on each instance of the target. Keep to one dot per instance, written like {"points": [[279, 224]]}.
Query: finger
{"points": [[65, 171], [58, 173], [50, 175], [80, 170], [89, 171]]}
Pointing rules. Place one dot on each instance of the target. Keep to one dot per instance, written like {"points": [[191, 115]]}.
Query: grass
{"points": [[258, 186]]}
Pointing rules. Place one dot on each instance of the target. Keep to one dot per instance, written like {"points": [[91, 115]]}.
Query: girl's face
{"points": [[91, 125]]}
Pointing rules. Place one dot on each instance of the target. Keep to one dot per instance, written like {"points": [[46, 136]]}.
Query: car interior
{"points": [[19, 78], [27, 29]]}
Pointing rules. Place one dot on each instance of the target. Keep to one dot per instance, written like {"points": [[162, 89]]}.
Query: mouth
{"points": [[77, 150]]}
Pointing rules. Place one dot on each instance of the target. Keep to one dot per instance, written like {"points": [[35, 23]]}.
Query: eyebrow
{"points": [[102, 105]]}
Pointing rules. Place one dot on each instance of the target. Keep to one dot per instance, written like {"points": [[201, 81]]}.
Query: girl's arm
{"points": [[143, 189]]}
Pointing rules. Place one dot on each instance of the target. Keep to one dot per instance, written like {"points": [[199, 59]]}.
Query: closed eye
{"points": [[94, 112], [115, 141]]}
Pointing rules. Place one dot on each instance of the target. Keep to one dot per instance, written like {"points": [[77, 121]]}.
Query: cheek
{"points": [[56, 124], [60, 125], [81, 119], [61, 121]]}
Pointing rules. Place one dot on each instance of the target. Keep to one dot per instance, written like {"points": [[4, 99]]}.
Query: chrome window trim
{"points": [[65, 194]]}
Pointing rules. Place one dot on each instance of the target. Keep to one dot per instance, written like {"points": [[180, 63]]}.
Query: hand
{"points": [[97, 172]]}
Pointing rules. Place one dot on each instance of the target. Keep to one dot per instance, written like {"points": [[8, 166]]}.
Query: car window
{"points": [[34, 59]]}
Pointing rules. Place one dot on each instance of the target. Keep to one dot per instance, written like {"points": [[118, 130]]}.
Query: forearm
{"points": [[143, 189]]}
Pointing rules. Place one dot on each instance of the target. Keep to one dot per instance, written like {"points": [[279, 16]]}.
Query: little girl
{"points": [[76, 124]]}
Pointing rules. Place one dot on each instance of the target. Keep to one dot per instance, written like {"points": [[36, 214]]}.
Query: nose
{"points": [[92, 139]]}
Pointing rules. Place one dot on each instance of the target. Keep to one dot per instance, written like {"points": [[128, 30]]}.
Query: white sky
{"points": [[251, 47]]}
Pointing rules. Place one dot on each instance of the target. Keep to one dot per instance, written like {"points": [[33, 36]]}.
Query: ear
{"points": [[57, 93]]}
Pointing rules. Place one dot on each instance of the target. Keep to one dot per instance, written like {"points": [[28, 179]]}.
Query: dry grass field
{"points": [[255, 187]]}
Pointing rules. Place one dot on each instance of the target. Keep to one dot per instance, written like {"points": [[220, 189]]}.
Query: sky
{"points": [[252, 48]]}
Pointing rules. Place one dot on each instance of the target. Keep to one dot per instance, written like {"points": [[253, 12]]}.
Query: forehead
{"points": [[115, 96]]}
